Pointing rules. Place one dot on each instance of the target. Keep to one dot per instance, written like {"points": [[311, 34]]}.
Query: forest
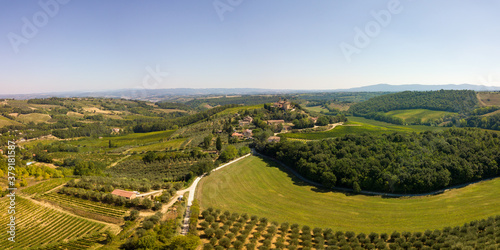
{"points": [[404, 163]]}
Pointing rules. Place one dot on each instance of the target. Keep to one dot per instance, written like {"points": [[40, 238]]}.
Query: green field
{"points": [[34, 117], [357, 125], [419, 115], [259, 187], [161, 146]]}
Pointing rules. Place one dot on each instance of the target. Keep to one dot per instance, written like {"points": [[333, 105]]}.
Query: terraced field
{"points": [[45, 186], [260, 187], [358, 125], [38, 225], [86, 205]]}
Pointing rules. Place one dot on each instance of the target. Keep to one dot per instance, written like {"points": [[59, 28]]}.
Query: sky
{"points": [[90, 45]]}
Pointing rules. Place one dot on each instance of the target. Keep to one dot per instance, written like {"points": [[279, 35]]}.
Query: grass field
{"points": [[317, 109], [258, 187], [37, 225], [176, 143], [418, 115], [34, 117], [4, 121], [357, 125]]}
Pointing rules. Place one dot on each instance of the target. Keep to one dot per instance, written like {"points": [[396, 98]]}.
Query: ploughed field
{"points": [[260, 187]]}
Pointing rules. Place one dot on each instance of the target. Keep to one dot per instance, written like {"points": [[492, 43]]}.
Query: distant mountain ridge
{"points": [[160, 94]]}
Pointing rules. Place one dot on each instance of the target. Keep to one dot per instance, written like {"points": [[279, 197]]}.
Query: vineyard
{"points": [[37, 225], [83, 243], [85, 205], [233, 231], [45, 186]]}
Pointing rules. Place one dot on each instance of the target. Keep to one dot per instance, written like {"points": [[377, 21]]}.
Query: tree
{"points": [[207, 141], [147, 203], [229, 153], [134, 214], [218, 144]]}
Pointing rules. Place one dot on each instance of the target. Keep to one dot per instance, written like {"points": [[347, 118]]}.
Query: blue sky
{"points": [[279, 44]]}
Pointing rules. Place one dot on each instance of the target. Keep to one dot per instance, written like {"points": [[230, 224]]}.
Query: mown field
{"points": [[259, 187], [361, 125], [418, 115], [489, 98], [37, 225]]}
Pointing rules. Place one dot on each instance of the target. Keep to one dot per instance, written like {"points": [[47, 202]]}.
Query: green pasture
{"points": [[358, 125], [260, 187], [419, 115], [176, 143]]}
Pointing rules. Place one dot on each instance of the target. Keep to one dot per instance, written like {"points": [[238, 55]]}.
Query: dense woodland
{"points": [[461, 101], [397, 162]]}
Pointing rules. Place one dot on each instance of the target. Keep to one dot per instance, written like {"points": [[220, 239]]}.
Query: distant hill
{"points": [[419, 87], [168, 94]]}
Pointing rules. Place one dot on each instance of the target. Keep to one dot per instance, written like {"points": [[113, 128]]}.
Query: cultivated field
{"points": [[258, 187], [34, 117], [85, 205], [418, 115], [37, 225], [161, 146], [357, 125], [45, 186], [4, 121]]}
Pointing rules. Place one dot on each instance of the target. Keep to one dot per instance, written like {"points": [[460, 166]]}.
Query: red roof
{"points": [[123, 193]]}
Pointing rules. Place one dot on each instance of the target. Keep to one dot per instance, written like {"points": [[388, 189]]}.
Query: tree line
{"points": [[461, 101]]}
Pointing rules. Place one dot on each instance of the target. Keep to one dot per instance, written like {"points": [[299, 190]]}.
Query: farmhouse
{"points": [[283, 104], [237, 135], [115, 130], [247, 133], [127, 194]]}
